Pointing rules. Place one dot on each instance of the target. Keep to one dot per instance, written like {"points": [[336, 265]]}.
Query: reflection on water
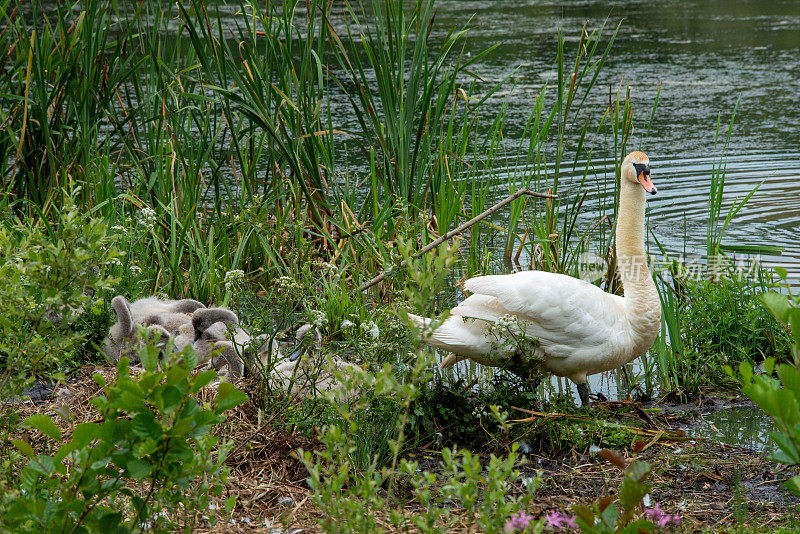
{"points": [[744, 426]]}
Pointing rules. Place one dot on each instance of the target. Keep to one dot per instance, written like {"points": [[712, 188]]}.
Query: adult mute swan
{"points": [[536, 320]]}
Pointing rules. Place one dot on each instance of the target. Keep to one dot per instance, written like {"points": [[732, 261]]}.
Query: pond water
{"points": [[709, 58], [743, 426]]}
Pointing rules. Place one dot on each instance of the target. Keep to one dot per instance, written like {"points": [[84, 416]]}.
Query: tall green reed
{"points": [[61, 73]]}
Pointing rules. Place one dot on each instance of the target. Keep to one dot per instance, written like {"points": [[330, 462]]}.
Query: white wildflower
{"points": [[135, 269], [232, 278], [347, 324], [146, 218], [371, 328], [286, 285], [114, 261], [317, 318], [328, 269]]}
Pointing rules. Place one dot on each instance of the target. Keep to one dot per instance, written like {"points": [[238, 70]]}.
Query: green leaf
{"points": [[23, 447], [232, 398], [43, 424], [139, 469], [202, 379], [42, 464], [85, 433], [777, 304], [793, 485], [109, 521], [172, 398], [148, 355], [144, 425], [585, 513], [631, 493]]}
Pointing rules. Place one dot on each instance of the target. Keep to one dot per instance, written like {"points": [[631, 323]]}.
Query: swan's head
{"points": [[636, 168], [204, 318]]}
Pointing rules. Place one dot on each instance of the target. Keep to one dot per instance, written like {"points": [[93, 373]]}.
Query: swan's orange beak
{"points": [[647, 183]]}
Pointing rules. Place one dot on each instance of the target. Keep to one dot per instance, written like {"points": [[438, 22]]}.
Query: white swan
{"points": [[556, 323]]}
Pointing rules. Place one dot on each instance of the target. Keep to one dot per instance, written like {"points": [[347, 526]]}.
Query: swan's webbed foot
{"points": [[583, 393]]}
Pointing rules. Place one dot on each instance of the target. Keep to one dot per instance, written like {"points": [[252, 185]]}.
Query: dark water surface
{"points": [[709, 58]]}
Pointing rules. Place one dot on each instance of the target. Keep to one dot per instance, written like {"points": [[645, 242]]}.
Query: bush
{"points": [[150, 464]]}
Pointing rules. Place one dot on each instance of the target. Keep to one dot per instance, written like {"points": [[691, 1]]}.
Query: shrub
{"points": [[121, 474]]}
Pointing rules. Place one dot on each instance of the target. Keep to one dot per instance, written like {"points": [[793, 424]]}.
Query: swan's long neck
{"points": [[641, 297]]}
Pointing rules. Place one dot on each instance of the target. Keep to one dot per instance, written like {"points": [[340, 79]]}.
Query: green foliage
{"points": [[52, 273], [779, 396], [61, 71], [151, 462], [608, 515], [712, 323], [351, 498]]}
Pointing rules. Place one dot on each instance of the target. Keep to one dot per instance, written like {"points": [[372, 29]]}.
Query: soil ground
{"points": [[713, 486]]}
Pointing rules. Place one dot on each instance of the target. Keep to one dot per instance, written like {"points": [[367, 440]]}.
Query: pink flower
{"points": [[569, 521], [519, 521], [557, 520], [655, 513], [554, 520], [676, 519]]}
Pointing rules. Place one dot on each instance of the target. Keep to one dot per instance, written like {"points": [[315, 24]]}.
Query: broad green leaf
{"points": [[202, 379], [84, 433], [62, 453], [139, 469], [790, 377], [223, 390], [24, 447], [794, 324], [43, 424], [42, 464], [172, 398], [109, 521], [585, 513], [101, 463], [777, 304], [793, 485], [144, 425], [638, 470], [145, 448], [149, 357], [234, 398], [632, 492]]}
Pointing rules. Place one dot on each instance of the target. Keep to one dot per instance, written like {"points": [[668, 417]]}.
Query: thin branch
{"points": [[456, 231]]}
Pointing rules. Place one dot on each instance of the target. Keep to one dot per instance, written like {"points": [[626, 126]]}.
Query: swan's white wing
{"points": [[565, 313], [479, 306]]}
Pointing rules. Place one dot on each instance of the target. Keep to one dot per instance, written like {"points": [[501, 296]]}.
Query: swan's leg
{"points": [[583, 393]]}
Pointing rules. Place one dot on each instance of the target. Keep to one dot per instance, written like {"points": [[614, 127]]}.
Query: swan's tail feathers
{"points": [[421, 322], [450, 360]]}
